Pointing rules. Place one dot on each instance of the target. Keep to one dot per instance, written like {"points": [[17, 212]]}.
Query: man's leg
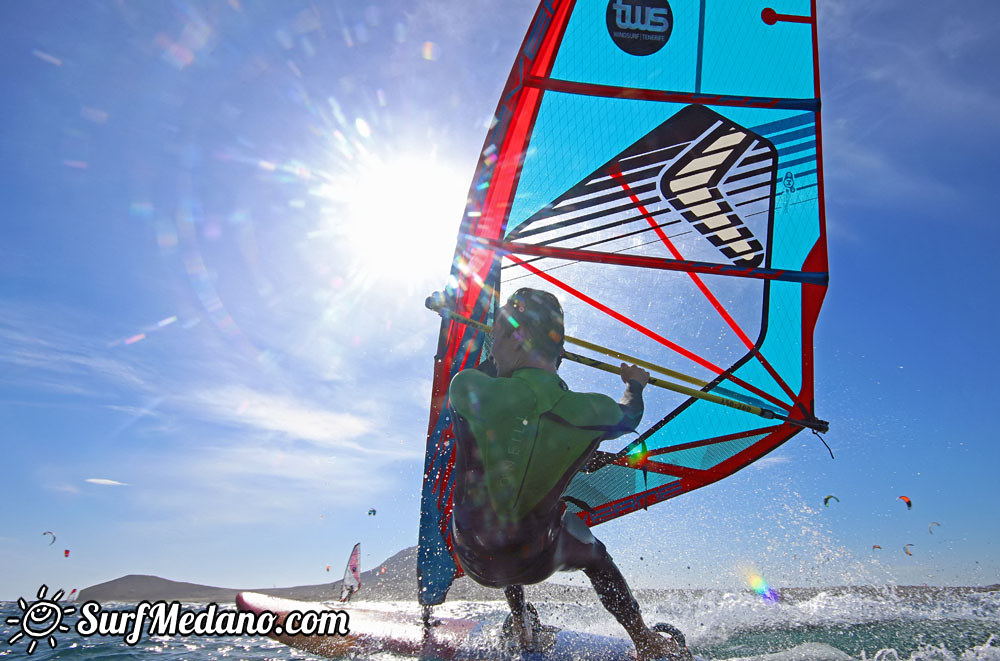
{"points": [[522, 624], [579, 549], [515, 599]]}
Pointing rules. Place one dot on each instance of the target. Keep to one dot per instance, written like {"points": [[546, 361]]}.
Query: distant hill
{"points": [[136, 587], [399, 583]]}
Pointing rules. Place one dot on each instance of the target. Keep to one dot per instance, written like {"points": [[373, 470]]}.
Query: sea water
{"points": [[885, 624]]}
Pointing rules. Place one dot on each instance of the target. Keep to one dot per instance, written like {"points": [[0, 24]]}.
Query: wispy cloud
{"points": [[50, 356], [243, 440], [257, 455], [905, 59], [870, 172], [290, 416], [902, 100], [50, 364], [960, 35], [260, 480], [770, 462]]}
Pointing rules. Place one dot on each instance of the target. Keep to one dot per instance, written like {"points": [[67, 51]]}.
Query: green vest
{"points": [[525, 455]]}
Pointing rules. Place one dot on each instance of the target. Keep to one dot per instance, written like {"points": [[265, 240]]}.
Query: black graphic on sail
{"points": [[698, 166]]}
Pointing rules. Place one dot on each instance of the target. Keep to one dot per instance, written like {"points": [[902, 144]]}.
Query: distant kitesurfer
{"points": [[522, 435]]}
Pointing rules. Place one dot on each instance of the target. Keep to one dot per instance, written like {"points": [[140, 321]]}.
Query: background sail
{"points": [[352, 574], [613, 169]]}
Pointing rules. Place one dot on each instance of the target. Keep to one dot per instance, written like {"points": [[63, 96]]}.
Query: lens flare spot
{"points": [[760, 586], [637, 459]]}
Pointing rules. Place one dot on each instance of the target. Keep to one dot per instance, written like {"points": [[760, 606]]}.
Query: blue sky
{"points": [[214, 356]]}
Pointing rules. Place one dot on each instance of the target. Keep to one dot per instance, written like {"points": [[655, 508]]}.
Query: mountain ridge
{"points": [[399, 583]]}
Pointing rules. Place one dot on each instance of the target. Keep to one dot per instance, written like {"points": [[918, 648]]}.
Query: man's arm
{"points": [[632, 407], [635, 379]]}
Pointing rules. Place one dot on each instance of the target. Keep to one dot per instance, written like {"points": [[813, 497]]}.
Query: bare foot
{"points": [[524, 633], [655, 646], [520, 632], [528, 634]]}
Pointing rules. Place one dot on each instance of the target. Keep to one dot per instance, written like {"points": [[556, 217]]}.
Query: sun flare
{"points": [[396, 220]]}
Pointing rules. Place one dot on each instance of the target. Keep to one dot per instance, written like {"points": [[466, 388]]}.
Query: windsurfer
{"points": [[521, 437]]}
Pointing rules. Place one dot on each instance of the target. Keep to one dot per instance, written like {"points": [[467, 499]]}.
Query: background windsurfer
{"points": [[521, 437]]}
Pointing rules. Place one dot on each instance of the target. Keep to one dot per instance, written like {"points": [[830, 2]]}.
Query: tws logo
{"points": [[640, 27]]}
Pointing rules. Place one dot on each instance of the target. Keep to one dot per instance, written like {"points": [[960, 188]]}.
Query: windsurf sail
{"points": [[352, 574], [656, 164]]}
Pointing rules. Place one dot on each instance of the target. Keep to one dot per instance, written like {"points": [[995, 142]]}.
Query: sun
{"points": [[396, 219], [40, 620]]}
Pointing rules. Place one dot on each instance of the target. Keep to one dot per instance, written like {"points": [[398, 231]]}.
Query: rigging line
{"points": [[616, 173], [628, 220], [643, 170], [739, 191], [680, 376], [762, 431], [724, 393], [663, 469], [576, 255], [824, 442], [791, 204], [649, 333], [529, 229], [754, 200], [735, 177], [514, 247], [543, 244], [453, 316], [611, 369]]}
